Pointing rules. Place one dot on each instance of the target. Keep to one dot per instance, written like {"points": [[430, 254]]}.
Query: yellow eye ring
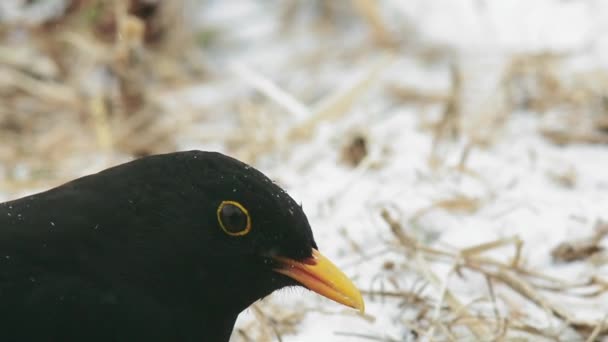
{"points": [[233, 218]]}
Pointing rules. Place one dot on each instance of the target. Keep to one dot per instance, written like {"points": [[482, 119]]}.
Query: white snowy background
{"points": [[289, 100]]}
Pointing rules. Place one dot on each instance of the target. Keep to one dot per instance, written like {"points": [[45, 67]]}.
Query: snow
{"points": [[512, 175], [511, 179]]}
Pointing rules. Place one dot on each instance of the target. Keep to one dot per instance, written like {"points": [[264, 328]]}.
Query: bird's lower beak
{"points": [[320, 275]]}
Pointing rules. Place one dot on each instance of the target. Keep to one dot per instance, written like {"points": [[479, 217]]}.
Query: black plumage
{"points": [[152, 250]]}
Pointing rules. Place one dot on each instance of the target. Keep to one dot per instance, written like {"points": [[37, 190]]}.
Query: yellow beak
{"points": [[320, 275]]}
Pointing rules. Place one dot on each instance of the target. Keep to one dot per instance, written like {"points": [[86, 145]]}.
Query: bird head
{"points": [[213, 222]]}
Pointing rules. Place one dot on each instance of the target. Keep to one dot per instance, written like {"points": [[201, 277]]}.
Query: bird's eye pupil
{"points": [[234, 218]]}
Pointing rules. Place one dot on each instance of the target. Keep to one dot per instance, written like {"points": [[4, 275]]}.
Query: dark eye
{"points": [[233, 218]]}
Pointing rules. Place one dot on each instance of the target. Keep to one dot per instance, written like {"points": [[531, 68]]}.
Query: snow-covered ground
{"points": [[304, 90], [512, 184]]}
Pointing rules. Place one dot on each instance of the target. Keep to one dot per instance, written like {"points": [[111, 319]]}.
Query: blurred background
{"points": [[451, 155]]}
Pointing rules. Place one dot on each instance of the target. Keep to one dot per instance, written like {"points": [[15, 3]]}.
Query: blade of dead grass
{"points": [[513, 275], [474, 325], [339, 102], [369, 10], [271, 90]]}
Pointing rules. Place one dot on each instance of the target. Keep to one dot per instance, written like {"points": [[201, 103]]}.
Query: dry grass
{"points": [[451, 314], [89, 82]]}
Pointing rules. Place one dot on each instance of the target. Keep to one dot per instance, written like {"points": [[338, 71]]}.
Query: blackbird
{"points": [[168, 247]]}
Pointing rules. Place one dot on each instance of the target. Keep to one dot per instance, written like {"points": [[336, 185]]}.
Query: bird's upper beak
{"points": [[320, 275]]}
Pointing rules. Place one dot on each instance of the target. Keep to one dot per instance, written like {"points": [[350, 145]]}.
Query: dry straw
{"points": [[90, 80]]}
